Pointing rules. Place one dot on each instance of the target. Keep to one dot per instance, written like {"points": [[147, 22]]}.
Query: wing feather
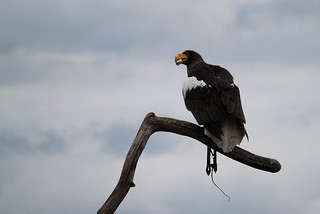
{"points": [[205, 104], [210, 103]]}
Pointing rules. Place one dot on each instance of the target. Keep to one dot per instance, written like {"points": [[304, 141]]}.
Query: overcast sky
{"points": [[78, 77]]}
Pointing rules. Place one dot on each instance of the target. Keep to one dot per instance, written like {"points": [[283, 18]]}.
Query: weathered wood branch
{"points": [[152, 124]]}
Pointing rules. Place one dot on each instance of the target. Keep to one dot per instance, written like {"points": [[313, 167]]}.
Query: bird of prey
{"points": [[214, 100]]}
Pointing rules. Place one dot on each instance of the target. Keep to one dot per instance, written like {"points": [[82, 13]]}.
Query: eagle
{"points": [[214, 100]]}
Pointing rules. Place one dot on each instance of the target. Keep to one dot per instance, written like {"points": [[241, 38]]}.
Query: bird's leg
{"points": [[208, 168], [215, 165], [211, 166]]}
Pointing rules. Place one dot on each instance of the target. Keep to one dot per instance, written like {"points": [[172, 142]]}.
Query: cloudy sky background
{"points": [[78, 77]]}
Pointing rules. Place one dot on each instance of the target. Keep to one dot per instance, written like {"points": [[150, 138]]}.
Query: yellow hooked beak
{"points": [[180, 58]]}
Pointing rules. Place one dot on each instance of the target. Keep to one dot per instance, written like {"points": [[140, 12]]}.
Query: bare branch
{"points": [[152, 124]]}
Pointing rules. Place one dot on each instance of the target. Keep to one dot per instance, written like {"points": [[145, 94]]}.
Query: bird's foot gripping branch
{"points": [[152, 124]]}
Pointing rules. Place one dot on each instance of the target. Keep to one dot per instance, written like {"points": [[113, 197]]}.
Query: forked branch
{"points": [[152, 124]]}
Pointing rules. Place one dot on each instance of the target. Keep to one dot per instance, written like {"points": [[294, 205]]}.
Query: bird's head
{"points": [[187, 58]]}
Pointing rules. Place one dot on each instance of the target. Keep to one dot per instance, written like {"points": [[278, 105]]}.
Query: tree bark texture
{"points": [[152, 124]]}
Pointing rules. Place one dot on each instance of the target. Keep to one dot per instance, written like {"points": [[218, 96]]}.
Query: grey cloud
{"points": [[257, 31], [117, 138], [10, 142], [24, 67], [92, 25], [45, 25], [47, 142], [280, 31]]}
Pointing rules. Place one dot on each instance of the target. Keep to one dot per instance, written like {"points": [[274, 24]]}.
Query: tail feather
{"points": [[228, 135]]}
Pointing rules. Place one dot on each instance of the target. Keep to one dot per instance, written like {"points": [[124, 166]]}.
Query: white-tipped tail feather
{"points": [[232, 135]]}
